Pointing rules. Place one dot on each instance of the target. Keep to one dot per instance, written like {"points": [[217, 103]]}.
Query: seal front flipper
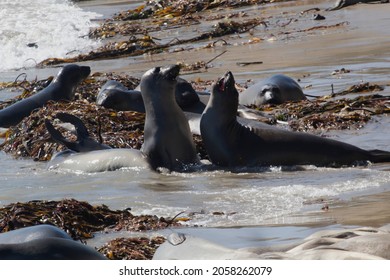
{"points": [[84, 142], [379, 156]]}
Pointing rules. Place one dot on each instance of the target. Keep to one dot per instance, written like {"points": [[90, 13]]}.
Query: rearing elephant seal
{"points": [[168, 139], [274, 90], [61, 88], [228, 143]]}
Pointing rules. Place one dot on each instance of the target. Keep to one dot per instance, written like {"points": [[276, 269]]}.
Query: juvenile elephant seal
{"points": [[116, 96], [84, 142], [168, 139], [61, 88], [88, 155], [43, 242], [274, 90], [228, 143]]}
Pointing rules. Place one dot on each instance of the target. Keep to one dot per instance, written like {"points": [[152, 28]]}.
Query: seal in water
{"points": [[88, 155], [61, 88], [168, 140], [274, 90], [43, 242], [230, 144], [345, 3]]}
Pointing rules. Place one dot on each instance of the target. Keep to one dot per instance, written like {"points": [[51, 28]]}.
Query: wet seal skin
{"points": [[61, 88], [230, 144], [277, 89], [168, 139]]}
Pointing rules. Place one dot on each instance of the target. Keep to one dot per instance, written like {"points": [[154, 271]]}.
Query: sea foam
{"points": [[32, 31]]}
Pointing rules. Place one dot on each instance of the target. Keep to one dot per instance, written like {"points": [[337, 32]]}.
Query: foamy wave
{"points": [[32, 31]]}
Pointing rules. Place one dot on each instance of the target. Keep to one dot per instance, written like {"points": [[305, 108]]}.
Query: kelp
{"points": [[326, 114], [78, 218], [138, 45], [136, 248], [170, 8]]}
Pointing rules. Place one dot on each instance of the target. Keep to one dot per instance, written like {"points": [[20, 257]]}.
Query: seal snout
{"points": [[171, 72]]}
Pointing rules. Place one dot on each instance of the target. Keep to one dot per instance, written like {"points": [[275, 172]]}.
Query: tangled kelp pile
{"points": [[327, 113], [81, 220], [131, 248]]}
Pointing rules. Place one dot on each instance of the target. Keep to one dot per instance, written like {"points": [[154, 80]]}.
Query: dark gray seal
{"points": [[274, 90], [43, 242], [61, 88], [116, 96], [230, 144], [168, 140], [83, 143]]}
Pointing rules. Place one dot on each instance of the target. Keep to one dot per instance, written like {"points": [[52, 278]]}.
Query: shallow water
{"points": [[268, 196]]}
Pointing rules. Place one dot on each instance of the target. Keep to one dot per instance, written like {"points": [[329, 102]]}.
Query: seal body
{"points": [[168, 140], [229, 143], [116, 96], [86, 154], [61, 88], [43, 242], [274, 90]]}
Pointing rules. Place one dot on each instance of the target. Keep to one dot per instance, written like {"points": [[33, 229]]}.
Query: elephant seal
{"points": [[168, 140], [61, 88], [116, 96], [88, 155], [274, 90], [230, 144], [43, 242], [339, 4], [84, 142]]}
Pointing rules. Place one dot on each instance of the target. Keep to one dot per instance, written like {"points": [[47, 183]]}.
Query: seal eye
{"points": [[156, 70]]}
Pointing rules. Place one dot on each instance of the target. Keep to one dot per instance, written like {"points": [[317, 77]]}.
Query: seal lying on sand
{"points": [[43, 242], [61, 88], [345, 3], [274, 90], [168, 140], [229, 144], [352, 244], [116, 96]]}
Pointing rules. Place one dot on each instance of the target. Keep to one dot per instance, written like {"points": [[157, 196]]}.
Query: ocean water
{"points": [[32, 31]]}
